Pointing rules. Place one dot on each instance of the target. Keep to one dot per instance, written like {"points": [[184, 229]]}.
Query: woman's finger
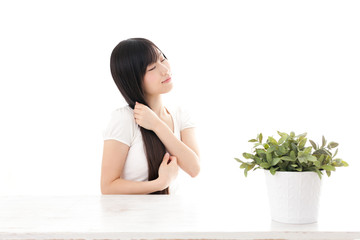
{"points": [[137, 112], [138, 105], [172, 160]]}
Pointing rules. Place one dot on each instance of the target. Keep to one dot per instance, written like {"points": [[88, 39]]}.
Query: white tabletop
{"points": [[157, 217]]}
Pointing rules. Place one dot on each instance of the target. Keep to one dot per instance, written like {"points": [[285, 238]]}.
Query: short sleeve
{"points": [[186, 121], [120, 127]]}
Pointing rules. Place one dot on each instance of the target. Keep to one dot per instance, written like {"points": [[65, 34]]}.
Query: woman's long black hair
{"points": [[128, 64]]}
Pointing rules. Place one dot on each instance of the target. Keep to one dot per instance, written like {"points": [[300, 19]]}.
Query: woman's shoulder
{"points": [[183, 115], [124, 109], [121, 126], [124, 113], [178, 110], [175, 110], [123, 117]]}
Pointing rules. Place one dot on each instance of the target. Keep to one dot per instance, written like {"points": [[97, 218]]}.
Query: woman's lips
{"points": [[167, 80]]}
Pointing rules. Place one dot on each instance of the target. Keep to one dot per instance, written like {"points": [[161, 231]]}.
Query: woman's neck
{"points": [[156, 104]]}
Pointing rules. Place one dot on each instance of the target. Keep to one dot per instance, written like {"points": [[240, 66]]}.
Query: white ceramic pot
{"points": [[294, 196]]}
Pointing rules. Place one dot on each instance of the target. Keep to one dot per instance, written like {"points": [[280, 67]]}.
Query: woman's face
{"points": [[157, 79]]}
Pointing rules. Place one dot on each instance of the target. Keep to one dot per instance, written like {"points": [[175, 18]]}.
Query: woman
{"points": [[145, 142]]}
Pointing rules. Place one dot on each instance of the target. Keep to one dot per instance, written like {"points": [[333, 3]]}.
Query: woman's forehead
{"points": [[158, 53]]}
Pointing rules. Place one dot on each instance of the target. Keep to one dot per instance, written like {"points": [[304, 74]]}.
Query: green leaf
{"points": [[252, 140], [328, 152], [336, 152], [281, 134], [257, 160], [302, 143], [260, 151], [247, 168], [321, 159], [313, 144], [311, 158], [308, 150], [275, 161], [322, 151], [302, 156], [270, 149], [301, 135], [292, 134], [277, 153], [293, 147], [294, 165], [328, 167], [248, 155], [336, 163], [250, 166], [317, 163], [265, 165], [260, 137], [332, 145], [257, 144], [328, 173], [282, 139], [282, 150], [345, 163], [327, 159], [318, 172], [292, 155], [269, 157], [273, 170], [323, 142], [287, 158], [244, 165], [272, 140], [238, 160]]}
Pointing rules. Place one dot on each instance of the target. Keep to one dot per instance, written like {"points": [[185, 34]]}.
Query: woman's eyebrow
{"points": [[160, 54]]}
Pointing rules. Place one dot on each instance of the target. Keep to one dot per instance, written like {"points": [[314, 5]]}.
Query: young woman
{"points": [[145, 142]]}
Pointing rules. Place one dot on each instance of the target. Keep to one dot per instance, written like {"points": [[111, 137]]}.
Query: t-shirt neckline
{"points": [[171, 115], [172, 118]]}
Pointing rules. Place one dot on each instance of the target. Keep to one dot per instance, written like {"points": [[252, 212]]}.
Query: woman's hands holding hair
{"points": [[168, 171], [145, 117]]}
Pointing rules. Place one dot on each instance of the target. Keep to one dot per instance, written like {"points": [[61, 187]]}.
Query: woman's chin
{"points": [[167, 88]]}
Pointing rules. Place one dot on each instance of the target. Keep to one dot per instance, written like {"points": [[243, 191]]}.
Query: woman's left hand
{"points": [[145, 117]]}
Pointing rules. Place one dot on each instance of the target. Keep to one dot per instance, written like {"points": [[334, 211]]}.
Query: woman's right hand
{"points": [[168, 172]]}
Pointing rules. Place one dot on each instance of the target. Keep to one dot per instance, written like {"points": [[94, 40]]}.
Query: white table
{"points": [[156, 217]]}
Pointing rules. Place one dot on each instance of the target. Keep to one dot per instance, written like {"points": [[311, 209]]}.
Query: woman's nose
{"points": [[165, 70]]}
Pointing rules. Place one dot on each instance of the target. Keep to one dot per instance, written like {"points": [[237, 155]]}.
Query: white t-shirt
{"points": [[122, 127]]}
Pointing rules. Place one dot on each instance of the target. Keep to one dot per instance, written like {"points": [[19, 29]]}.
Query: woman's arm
{"points": [[186, 150], [122, 186], [114, 157]]}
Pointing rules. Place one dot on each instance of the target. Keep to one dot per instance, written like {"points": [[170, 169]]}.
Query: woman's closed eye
{"points": [[155, 66]]}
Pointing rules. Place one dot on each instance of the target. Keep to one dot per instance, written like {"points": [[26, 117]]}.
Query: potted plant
{"points": [[293, 173]]}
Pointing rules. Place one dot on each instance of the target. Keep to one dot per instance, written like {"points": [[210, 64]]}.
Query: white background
{"points": [[240, 67]]}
